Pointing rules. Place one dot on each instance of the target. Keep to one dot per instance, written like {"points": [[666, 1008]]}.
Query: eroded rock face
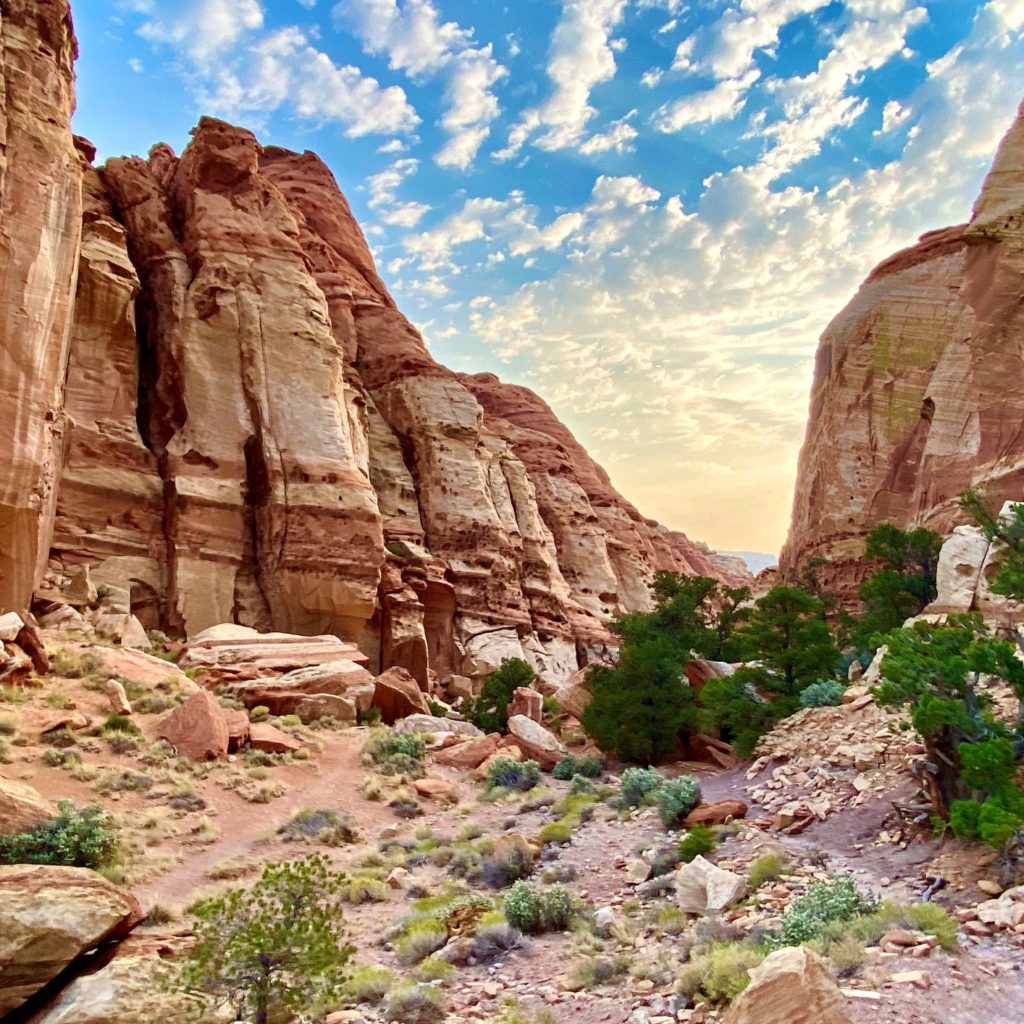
{"points": [[918, 389], [252, 433]]}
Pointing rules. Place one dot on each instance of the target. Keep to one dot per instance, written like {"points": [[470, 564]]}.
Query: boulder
{"points": [[958, 572], [11, 624], [134, 635], [197, 729], [50, 721], [428, 724], [22, 807], [50, 916], [716, 814], [527, 702], [484, 768], [144, 669], [574, 696], [704, 888], [397, 694], [343, 678], [237, 723], [119, 703], [434, 789], [793, 986], [80, 591], [536, 742], [326, 705], [461, 687], [271, 740], [712, 750], [469, 755]]}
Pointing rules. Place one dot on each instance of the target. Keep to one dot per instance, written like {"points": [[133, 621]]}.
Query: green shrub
{"points": [[77, 837], [767, 869], [533, 911], [494, 935], [698, 841], [501, 871], [676, 798], [120, 723], [557, 832], [320, 826], [489, 711], [581, 784], [421, 938], [416, 1004], [396, 753], [508, 773], [568, 766], [825, 903], [639, 786], [595, 971], [823, 694], [367, 984]]}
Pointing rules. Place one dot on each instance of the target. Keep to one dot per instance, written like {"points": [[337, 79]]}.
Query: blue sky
{"points": [[646, 210]]}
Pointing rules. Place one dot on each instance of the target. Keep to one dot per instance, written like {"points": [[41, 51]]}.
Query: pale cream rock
{"points": [[704, 888]]}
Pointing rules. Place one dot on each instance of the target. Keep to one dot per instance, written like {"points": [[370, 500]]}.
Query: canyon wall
{"points": [[918, 389], [210, 400]]}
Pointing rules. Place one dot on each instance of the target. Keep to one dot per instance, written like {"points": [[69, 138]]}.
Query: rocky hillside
{"points": [[209, 399], [919, 385]]}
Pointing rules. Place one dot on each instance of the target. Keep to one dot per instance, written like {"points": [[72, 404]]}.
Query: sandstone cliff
{"points": [[216, 406], [919, 386]]}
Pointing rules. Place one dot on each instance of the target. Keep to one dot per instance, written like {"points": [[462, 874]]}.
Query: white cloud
{"points": [[650, 78], [619, 138], [721, 103], [200, 28], [418, 43], [308, 4], [894, 114], [136, 65], [383, 188], [582, 55]]}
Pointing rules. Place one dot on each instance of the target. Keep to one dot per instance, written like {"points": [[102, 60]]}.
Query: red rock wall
{"points": [[919, 386], [256, 434]]}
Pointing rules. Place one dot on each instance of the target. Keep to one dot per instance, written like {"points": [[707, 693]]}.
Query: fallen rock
{"points": [[326, 705], [22, 807], [134, 635], [792, 986], [119, 703], [237, 723], [527, 702], [197, 729], [483, 770], [144, 669], [342, 678], [536, 742], [429, 724], [704, 888], [716, 814], [50, 916], [434, 789], [11, 624], [469, 755], [50, 721], [271, 740], [397, 694]]}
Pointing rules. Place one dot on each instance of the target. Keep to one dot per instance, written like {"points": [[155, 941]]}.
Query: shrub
{"points": [[320, 826], [533, 911], [823, 694], [494, 936], [508, 773], [371, 716], [421, 938], [501, 871], [416, 1004], [568, 766], [639, 786], [595, 971], [581, 784], [363, 889], [8, 725], [278, 943], [728, 970], [71, 664], [396, 753], [489, 711], [698, 841], [676, 798], [367, 984], [434, 969], [768, 868], [557, 832], [75, 838], [466, 863], [120, 723], [824, 903], [924, 917]]}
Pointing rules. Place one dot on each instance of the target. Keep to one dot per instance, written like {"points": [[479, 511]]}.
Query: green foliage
{"points": [[420, 940], [1009, 529], [489, 711], [823, 694], [508, 773], [787, 633], [580, 784], [698, 841], [415, 1004], [278, 944], [119, 723], [904, 581], [320, 826], [81, 838], [533, 911], [639, 786], [935, 671], [568, 766], [768, 868], [734, 708], [557, 832], [719, 971], [396, 753], [676, 798], [367, 984], [824, 903]]}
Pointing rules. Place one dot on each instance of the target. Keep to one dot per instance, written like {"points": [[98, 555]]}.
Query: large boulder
{"points": [[574, 695], [793, 986], [716, 814], [397, 694], [271, 740], [536, 742], [704, 888], [959, 570], [50, 916], [22, 807], [528, 702], [197, 729], [471, 754], [429, 725], [326, 705], [341, 677], [144, 669]]}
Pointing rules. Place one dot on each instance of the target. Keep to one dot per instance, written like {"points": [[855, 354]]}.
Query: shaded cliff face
{"points": [[217, 407], [919, 386]]}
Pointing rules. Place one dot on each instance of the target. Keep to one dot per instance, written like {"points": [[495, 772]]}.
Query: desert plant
{"points": [[422, 937], [822, 694], [501, 869], [533, 911], [367, 984], [75, 838], [320, 826], [278, 944], [568, 766], [489, 711], [767, 868], [415, 1004], [697, 842], [494, 935], [120, 723], [508, 773], [824, 903], [639, 786], [676, 798], [396, 753]]}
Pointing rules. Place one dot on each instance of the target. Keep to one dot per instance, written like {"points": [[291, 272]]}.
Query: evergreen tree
{"points": [[489, 711]]}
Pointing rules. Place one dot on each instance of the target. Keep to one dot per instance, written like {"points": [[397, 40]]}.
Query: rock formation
{"points": [[213, 412], [919, 386]]}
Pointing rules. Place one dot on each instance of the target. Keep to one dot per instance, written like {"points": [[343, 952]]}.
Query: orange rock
{"points": [[197, 729], [469, 755], [528, 702], [237, 723], [271, 740], [434, 789], [716, 814], [22, 807], [398, 695]]}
